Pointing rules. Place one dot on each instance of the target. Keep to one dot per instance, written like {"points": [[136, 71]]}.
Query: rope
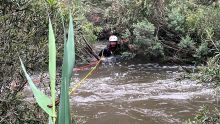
{"points": [[90, 73], [82, 81], [86, 66]]}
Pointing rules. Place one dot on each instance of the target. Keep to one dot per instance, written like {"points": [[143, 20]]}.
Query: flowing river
{"points": [[133, 93]]}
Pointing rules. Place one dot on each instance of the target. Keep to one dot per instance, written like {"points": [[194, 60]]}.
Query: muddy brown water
{"points": [[132, 93]]}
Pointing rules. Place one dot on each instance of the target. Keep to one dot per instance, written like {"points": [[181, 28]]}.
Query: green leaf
{"points": [[52, 65], [40, 97], [64, 29], [70, 48], [68, 63], [52, 2], [64, 108], [50, 120]]}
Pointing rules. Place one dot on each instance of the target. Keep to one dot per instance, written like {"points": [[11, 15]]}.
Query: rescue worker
{"points": [[113, 47]]}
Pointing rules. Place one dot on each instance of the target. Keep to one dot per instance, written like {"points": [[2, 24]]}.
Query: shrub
{"points": [[187, 42], [206, 116], [202, 51], [23, 33], [145, 39]]}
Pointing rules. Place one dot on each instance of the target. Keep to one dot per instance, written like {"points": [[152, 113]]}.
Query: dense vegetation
{"points": [[178, 31], [24, 28]]}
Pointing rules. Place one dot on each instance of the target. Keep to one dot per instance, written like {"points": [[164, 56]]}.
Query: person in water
{"points": [[113, 47]]}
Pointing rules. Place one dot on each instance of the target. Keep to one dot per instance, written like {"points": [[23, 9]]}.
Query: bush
{"points": [[202, 51], [209, 74], [145, 39], [144, 32], [16, 111], [206, 116], [173, 25], [176, 15], [24, 27], [187, 43]]}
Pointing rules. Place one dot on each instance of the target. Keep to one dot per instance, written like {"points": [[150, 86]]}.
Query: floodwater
{"points": [[133, 93]]}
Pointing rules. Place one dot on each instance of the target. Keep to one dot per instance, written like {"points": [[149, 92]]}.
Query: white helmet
{"points": [[113, 38]]}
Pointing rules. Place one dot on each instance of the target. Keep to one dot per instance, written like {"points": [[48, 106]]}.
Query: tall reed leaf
{"points": [[52, 65], [40, 97], [71, 48], [50, 120], [68, 63]]}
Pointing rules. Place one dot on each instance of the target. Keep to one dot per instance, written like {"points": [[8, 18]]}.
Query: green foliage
{"points": [[21, 112], [52, 2], [187, 42], [209, 74], [144, 32], [52, 67], [188, 29], [206, 116], [202, 51], [193, 19], [198, 21], [24, 27], [157, 49], [40, 97], [122, 14], [68, 63], [89, 30], [144, 28], [126, 34], [82, 25], [176, 17], [204, 18]]}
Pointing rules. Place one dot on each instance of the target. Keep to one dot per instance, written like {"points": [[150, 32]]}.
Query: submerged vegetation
{"points": [[174, 31]]}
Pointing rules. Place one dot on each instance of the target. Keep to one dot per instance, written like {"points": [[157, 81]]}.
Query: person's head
{"points": [[113, 40]]}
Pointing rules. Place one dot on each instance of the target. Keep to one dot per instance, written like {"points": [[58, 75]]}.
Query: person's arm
{"points": [[105, 53], [101, 52]]}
